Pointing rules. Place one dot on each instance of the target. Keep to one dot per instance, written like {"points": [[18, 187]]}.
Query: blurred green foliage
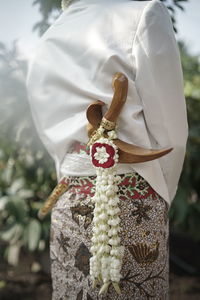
{"points": [[27, 172], [185, 210]]}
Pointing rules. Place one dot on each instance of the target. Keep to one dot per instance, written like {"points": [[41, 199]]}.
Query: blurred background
{"points": [[27, 173]]}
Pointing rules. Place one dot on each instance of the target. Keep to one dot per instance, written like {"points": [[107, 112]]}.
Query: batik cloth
{"points": [[144, 234]]}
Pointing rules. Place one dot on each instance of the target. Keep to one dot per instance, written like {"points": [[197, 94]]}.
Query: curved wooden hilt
{"points": [[128, 153], [120, 88], [94, 116], [94, 110]]}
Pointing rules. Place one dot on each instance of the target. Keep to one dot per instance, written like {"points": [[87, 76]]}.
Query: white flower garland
{"points": [[107, 253]]}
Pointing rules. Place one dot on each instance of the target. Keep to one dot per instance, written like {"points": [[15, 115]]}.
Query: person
{"points": [[73, 66]]}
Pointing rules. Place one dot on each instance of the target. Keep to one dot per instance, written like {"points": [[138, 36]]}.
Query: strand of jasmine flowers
{"points": [[100, 248], [117, 250], [105, 264]]}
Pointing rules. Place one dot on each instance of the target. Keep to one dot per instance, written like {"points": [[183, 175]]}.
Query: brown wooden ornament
{"points": [[128, 153], [57, 192]]}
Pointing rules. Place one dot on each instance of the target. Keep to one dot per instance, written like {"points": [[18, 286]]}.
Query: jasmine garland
{"points": [[107, 253]]}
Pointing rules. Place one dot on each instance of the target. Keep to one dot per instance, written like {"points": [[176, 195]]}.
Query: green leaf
{"points": [[9, 233], [179, 209], [12, 234], [3, 201], [13, 252], [34, 234], [2, 284], [17, 208], [16, 185]]}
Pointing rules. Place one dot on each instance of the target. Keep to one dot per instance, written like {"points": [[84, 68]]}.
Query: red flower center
{"points": [[109, 150]]}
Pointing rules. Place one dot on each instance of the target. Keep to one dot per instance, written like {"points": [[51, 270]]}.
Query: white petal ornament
{"points": [[107, 253]]}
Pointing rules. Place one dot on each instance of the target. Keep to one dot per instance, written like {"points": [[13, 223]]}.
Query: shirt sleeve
{"points": [[159, 83]]}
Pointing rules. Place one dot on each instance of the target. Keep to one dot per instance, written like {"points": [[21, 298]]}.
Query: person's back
{"points": [[74, 65]]}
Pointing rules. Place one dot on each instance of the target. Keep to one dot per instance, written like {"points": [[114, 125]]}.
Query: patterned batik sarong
{"points": [[144, 234]]}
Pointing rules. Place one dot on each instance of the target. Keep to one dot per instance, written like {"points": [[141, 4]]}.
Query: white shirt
{"points": [[74, 65]]}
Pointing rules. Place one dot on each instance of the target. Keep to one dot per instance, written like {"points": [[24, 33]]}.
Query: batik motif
{"points": [[144, 233]]}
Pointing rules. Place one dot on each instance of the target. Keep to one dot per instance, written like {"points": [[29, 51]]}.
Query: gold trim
{"points": [[108, 125]]}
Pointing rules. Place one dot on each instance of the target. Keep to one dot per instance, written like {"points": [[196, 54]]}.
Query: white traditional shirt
{"points": [[74, 65]]}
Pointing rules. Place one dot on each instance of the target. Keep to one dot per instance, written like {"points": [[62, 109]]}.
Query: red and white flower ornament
{"points": [[103, 155], [107, 253]]}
